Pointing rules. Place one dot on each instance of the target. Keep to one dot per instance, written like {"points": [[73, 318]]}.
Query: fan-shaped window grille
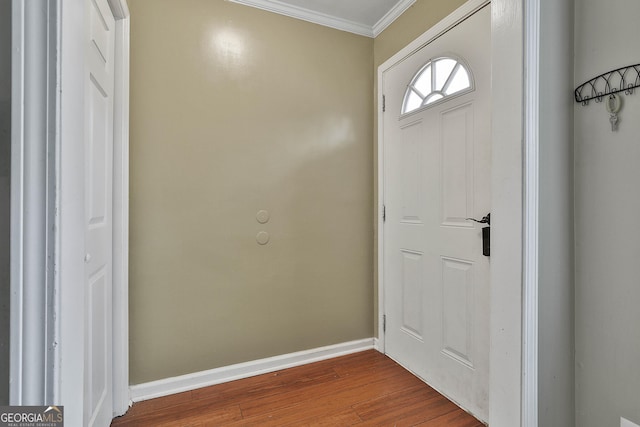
{"points": [[437, 80]]}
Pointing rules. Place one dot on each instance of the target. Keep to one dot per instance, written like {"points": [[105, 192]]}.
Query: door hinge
{"points": [[384, 213], [384, 323], [384, 103]]}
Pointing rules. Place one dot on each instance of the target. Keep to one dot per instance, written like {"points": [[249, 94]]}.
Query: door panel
{"points": [[436, 175], [98, 214], [457, 310], [412, 315], [457, 165], [412, 182]]}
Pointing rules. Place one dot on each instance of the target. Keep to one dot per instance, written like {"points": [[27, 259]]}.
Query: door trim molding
{"points": [[531, 209], [121, 398], [34, 101], [70, 194], [457, 16]]}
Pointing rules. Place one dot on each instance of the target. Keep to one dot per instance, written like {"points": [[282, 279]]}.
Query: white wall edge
{"points": [[17, 201], [507, 204], [531, 209], [304, 14], [380, 242], [201, 379], [70, 268], [121, 399], [393, 14], [33, 202]]}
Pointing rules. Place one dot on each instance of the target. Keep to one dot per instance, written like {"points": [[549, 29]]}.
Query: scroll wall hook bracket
{"points": [[604, 88]]}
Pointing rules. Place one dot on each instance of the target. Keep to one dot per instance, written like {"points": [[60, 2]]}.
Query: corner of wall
{"points": [[5, 149], [556, 332]]}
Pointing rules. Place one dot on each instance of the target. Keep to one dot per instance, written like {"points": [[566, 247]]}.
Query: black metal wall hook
{"points": [[624, 79]]}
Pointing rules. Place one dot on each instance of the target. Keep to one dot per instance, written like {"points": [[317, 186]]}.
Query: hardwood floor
{"points": [[362, 389]]}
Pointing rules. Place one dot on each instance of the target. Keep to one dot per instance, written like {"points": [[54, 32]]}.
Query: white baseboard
{"points": [[376, 345], [626, 423], [201, 379]]}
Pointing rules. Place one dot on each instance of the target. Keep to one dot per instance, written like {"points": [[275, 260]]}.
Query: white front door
{"points": [[99, 89], [437, 174]]}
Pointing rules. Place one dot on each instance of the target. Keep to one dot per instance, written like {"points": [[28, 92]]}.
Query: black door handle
{"points": [[485, 219], [486, 234]]}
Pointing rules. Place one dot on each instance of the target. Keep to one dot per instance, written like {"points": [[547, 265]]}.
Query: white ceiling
{"points": [[364, 17]]}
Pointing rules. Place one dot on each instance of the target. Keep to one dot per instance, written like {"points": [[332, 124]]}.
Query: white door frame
{"points": [[33, 186], [58, 41], [514, 264], [531, 204], [121, 398]]}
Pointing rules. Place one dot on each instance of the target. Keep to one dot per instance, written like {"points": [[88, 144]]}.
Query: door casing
{"points": [[33, 186]]}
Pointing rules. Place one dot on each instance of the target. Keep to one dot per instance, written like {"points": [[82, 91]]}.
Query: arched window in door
{"points": [[435, 81]]}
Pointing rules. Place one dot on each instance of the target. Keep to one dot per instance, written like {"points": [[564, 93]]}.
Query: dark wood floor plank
{"points": [[456, 418], [185, 415], [228, 394], [356, 388], [268, 383], [414, 414], [153, 405], [377, 407], [362, 389], [361, 386], [366, 361], [347, 417], [322, 402], [241, 393], [219, 417]]}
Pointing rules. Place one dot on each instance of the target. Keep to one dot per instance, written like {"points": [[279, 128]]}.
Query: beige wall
{"points": [[416, 20], [234, 110]]}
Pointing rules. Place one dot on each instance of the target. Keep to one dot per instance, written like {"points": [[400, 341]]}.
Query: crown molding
{"points": [[393, 14], [304, 14]]}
